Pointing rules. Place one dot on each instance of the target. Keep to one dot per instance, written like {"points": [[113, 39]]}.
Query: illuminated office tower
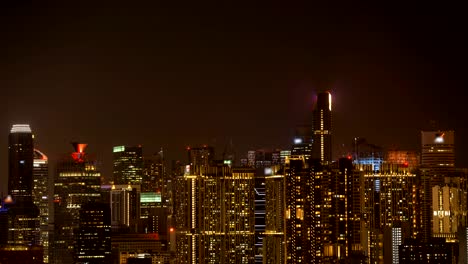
{"points": [[23, 226], [93, 243], [438, 149], [444, 197], [153, 214], [390, 205], [125, 207], [274, 240], [322, 128], [41, 197], [215, 215], [20, 163], [438, 154], [128, 165], [299, 212], [77, 182]]}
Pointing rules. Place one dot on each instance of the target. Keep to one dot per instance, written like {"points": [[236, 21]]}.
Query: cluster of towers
{"points": [[282, 206], [75, 216], [369, 206]]}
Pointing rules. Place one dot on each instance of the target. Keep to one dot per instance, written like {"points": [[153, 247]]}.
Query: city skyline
{"points": [[163, 76]]}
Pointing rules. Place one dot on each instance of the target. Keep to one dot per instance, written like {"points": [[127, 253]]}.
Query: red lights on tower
{"points": [[79, 154]]}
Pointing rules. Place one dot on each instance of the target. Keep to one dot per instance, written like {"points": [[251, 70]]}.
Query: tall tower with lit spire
{"points": [[23, 226], [20, 162], [322, 128]]}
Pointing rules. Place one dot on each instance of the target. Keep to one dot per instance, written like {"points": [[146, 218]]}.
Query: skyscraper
{"points": [[389, 205], [274, 242], [77, 182], [438, 149], [128, 164], [41, 197], [300, 211], [20, 163], [154, 176], [438, 154], [215, 215], [444, 191], [93, 243], [23, 227], [125, 207], [322, 128]]}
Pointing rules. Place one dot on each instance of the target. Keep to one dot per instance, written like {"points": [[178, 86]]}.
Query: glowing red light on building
{"points": [[171, 229], [78, 155]]}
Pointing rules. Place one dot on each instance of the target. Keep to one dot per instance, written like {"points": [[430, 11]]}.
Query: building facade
{"points": [[128, 165], [215, 215], [41, 197], [322, 128], [23, 214], [77, 182]]}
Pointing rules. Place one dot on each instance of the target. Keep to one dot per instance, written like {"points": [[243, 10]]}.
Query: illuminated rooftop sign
{"points": [[150, 197], [119, 148], [21, 128]]}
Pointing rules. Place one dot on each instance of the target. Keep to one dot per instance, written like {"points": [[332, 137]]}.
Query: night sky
{"points": [[169, 76]]}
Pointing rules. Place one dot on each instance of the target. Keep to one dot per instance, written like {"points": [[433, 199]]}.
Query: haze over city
{"points": [[170, 76]]}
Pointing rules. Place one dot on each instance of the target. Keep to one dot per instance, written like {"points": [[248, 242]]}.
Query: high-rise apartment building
{"points": [[299, 212], [390, 202], [339, 189], [128, 165], [215, 215], [77, 182], [322, 128], [274, 247], [41, 197]]}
